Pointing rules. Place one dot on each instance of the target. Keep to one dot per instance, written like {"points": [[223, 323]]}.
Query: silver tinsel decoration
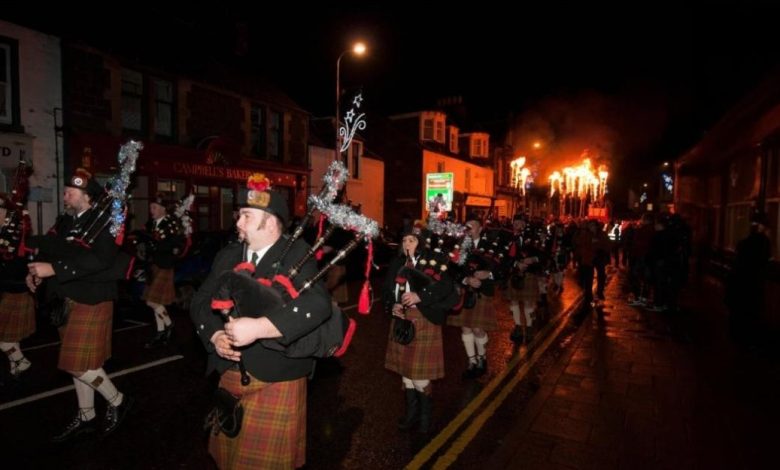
{"points": [[128, 154], [182, 212], [343, 216], [332, 182]]}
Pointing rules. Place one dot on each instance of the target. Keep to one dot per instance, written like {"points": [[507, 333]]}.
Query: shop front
{"points": [[216, 177]]}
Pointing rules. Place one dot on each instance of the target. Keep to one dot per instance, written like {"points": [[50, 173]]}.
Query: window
{"points": [[355, 153], [163, 107], [9, 82], [477, 152], [427, 129], [132, 100], [257, 124], [440, 130], [275, 141]]}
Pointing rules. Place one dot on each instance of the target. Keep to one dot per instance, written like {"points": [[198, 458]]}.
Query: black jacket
{"points": [[293, 320], [82, 273], [437, 297], [166, 241]]}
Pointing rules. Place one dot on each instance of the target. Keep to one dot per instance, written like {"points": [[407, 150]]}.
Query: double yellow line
{"points": [[459, 445]]}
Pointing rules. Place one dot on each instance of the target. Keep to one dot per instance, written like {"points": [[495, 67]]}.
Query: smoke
{"points": [[610, 130]]}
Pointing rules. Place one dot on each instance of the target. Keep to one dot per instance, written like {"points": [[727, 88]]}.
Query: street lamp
{"points": [[358, 49]]}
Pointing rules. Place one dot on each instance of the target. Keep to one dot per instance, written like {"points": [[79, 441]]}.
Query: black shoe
{"points": [[168, 331], [471, 372], [481, 366], [157, 340], [116, 414], [529, 333], [516, 335], [75, 428], [412, 410]]}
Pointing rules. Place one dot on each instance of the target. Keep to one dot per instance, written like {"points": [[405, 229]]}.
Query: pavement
{"points": [[639, 389]]}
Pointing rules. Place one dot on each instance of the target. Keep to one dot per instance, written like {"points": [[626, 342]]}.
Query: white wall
{"points": [[369, 190], [40, 92]]}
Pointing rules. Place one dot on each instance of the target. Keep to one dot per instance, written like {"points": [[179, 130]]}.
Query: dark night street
{"points": [[610, 388]]}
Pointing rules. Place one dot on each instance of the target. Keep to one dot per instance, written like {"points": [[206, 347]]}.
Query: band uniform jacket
{"points": [[82, 273], [485, 257], [435, 297], [294, 320], [166, 242]]}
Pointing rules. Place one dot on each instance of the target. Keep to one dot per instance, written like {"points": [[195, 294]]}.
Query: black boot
{"points": [[159, 339], [516, 336], [76, 427], [481, 365], [529, 333], [412, 406], [426, 403]]}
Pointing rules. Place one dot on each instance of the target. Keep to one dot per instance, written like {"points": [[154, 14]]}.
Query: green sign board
{"points": [[439, 188]]}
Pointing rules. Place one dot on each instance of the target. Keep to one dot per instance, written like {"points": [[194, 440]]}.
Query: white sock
{"points": [[163, 313], [98, 380], [85, 395], [527, 310], [515, 308], [408, 383], [468, 343], [420, 385], [158, 318], [12, 350], [481, 342]]}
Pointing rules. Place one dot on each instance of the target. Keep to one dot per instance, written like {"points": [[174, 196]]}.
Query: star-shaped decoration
{"points": [[350, 115], [358, 100]]}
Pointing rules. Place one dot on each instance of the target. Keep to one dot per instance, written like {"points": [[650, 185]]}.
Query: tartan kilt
{"points": [[273, 432], [482, 316], [86, 337], [17, 316], [161, 289], [421, 359], [528, 293]]}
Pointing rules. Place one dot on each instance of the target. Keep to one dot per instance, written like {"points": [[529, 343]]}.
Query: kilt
{"points": [[161, 290], [423, 358], [482, 316], [86, 338], [273, 432], [528, 293], [17, 316]]}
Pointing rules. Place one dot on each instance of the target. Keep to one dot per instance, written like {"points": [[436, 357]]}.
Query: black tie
{"points": [[255, 258]]}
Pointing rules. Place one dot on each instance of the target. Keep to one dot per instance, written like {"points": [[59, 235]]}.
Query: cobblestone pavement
{"points": [[640, 389]]}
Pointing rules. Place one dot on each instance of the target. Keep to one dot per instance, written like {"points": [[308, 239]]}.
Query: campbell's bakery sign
{"points": [[211, 171]]}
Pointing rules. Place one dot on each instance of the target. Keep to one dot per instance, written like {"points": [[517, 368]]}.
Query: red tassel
{"points": [[130, 268], [347, 338], [120, 237], [319, 254], [322, 221], [364, 304], [513, 250]]}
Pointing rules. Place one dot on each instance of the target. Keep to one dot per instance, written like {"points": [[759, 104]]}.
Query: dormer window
{"points": [[477, 144], [433, 125]]}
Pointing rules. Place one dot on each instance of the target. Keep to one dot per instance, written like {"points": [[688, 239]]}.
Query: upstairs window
{"points": [[257, 126], [440, 130], [163, 107], [132, 100], [9, 82], [355, 154], [275, 136], [427, 129]]}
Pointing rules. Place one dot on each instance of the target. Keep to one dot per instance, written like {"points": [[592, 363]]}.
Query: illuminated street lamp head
{"points": [[537, 144], [359, 48]]}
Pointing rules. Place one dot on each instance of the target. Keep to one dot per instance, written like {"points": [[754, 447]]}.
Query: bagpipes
{"points": [[16, 226], [108, 211], [240, 294]]}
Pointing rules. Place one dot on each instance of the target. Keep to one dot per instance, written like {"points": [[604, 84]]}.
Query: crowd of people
{"points": [[434, 281]]}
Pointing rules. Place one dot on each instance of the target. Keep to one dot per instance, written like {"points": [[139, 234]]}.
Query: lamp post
{"points": [[358, 49]]}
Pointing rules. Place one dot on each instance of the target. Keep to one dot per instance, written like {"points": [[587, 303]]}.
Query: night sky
{"points": [[636, 84]]}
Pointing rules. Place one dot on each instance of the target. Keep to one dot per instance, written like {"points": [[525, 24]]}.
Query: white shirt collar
{"points": [[260, 253]]}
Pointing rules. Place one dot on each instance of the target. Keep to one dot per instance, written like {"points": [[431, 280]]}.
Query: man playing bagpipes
{"points": [[164, 244], [524, 272], [478, 315], [419, 292], [273, 395], [17, 306], [77, 265]]}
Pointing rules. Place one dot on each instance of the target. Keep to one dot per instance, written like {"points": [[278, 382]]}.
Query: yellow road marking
{"points": [[438, 442]]}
